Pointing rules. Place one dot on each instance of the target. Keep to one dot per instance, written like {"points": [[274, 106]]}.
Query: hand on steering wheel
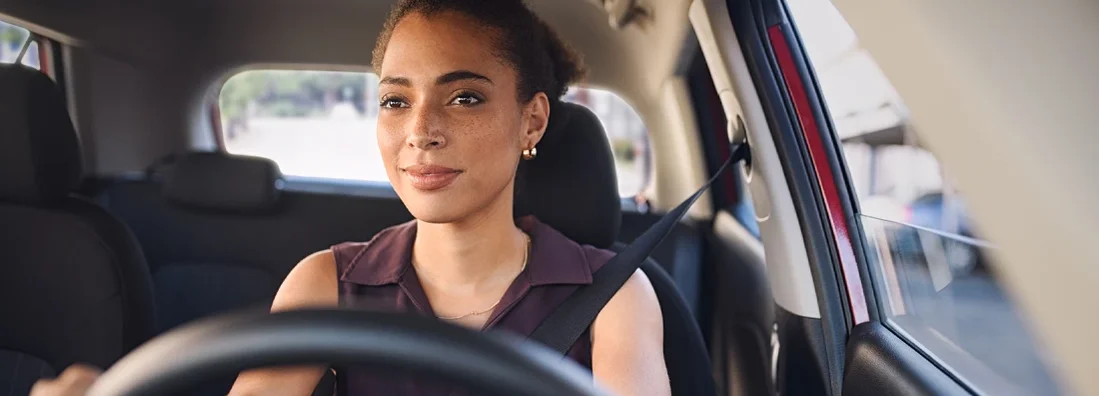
{"points": [[74, 381]]}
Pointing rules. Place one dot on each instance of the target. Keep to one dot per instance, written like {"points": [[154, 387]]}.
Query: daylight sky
{"points": [[859, 96]]}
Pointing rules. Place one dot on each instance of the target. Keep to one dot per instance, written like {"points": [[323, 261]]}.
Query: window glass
{"points": [[317, 124], [320, 124], [932, 271], [12, 40]]}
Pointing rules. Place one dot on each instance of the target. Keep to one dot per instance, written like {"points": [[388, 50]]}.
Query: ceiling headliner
{"points": [[209, 38]]}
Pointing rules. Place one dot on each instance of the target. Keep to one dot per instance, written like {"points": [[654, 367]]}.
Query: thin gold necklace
{"points": [[526, 254]]}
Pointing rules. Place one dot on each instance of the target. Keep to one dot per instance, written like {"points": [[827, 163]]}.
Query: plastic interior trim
{"points": [[787, 258]]}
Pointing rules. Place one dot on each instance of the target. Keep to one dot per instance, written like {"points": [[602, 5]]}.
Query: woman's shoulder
{"points": [[384, 254], [309, 284]]}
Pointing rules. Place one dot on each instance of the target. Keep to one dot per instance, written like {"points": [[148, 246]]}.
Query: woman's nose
{"points": [[426, 132], [426, 141]]}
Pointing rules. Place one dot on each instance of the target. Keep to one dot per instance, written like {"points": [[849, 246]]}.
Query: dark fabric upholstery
{"points": [[572, 185], [195, 254], [208, 262], [74, 286], [222, 182], [187, 291], [40, 157], [24, 370], [680, 253]]}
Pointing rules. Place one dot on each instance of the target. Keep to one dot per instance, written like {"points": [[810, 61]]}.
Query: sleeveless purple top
{"points": [[378, 275]]}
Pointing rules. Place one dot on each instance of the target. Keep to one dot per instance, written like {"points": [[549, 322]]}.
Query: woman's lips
{"points": [[431, 177]]}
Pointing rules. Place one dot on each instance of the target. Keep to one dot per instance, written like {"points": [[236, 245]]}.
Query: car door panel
{"points": [[881, 363]]}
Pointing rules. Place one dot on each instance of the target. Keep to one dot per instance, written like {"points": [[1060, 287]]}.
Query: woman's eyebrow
{"points": [[404, 82], [459, 75]]}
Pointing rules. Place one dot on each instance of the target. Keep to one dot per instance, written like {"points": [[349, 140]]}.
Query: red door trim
{"points": [[215, 124], [45, 57], [823, 168]]}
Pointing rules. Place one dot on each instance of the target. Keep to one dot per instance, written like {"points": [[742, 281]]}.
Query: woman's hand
{"points": [[74, 381]]}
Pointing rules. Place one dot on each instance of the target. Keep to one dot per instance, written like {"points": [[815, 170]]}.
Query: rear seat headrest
{"points": [[40, 158], [222, 182], [571, 185]]}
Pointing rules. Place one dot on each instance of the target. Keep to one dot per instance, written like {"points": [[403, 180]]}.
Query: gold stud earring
{"points": [[530, 153]]}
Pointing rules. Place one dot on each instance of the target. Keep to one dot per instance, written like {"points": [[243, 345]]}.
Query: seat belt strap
{"points": [[574, 316]]}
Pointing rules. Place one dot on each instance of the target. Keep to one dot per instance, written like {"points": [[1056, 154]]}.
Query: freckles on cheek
{"points": [[494, 147], [484, 142], [389, 145], [489, 135]]}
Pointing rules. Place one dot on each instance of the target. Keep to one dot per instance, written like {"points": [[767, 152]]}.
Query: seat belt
{"points": [[574, 316]]}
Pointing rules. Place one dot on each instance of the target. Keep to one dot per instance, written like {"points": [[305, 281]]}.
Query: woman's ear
{"points": [[537, 113]]}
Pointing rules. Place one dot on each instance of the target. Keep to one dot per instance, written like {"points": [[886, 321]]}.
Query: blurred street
{"points": [[974, 314]]}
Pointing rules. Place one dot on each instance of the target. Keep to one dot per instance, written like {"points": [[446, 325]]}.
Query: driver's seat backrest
{"points": [[572, 187], [74, 286]]}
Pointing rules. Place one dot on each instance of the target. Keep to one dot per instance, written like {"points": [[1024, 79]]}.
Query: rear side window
{"points": [[12, 41], [315, 124], [933, 273], [321, 125]]}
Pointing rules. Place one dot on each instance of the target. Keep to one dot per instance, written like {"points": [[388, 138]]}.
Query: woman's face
{"points": [[451, 128]]}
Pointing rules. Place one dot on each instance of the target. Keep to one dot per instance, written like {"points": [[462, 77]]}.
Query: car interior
{"points": [[143, 217]]}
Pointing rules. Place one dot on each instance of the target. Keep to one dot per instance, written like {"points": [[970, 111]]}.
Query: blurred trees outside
{"points": [[290, 93], [11, 41]]}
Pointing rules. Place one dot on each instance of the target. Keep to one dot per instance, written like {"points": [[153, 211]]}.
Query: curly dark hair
{"points": [[549, 67]]}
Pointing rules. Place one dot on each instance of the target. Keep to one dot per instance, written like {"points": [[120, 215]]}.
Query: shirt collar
{"points": [[554, 258]]}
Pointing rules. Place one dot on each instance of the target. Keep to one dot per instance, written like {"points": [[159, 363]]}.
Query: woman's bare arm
{"points": [[628, 342], [311, 284]]}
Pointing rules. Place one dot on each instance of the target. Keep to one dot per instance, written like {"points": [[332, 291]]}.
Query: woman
{"points": [[465, 93]]}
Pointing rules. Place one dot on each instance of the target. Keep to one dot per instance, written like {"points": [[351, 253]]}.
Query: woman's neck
{"points": [[479, 252]]}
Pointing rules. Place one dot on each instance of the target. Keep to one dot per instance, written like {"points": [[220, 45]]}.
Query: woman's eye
{"points": [[466, 100], [393, 103]]}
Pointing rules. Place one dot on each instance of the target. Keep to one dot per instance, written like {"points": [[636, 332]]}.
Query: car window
{"points": [[320, 124], [935, 276], [12, 40]]}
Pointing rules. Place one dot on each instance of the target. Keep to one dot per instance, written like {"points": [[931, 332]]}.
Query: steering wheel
{"points": [[489, 363]]}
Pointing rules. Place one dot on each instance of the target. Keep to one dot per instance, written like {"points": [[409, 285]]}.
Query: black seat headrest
{"points": [[223, 182], [571, 185], [40, 158]]}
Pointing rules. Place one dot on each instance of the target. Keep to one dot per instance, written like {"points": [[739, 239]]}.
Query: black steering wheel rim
{"points": [[487, 363]]}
